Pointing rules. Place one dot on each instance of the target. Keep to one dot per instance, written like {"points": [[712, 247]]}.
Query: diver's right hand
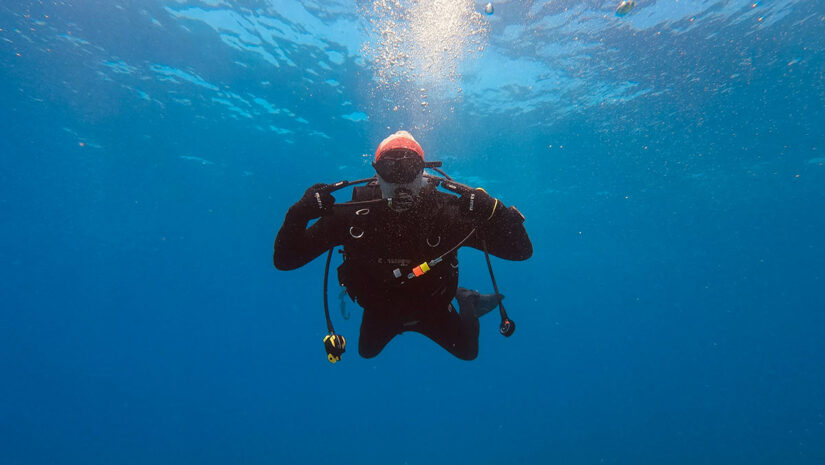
{"points": [[316, 202]]}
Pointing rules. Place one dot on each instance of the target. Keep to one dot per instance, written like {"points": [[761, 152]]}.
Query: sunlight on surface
{"points": [[423, 42], [416, 48]]}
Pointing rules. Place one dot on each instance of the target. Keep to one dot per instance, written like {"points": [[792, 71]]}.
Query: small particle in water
{"points": [[624, 7], [489, 9]]}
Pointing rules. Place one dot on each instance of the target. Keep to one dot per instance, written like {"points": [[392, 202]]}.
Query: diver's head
{"points": [[399, 162]]}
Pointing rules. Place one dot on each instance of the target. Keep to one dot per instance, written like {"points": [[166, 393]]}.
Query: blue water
{"points": [[670, 163]]}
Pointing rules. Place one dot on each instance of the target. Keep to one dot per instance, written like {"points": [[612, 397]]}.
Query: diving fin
{"points": [[473, 301]]}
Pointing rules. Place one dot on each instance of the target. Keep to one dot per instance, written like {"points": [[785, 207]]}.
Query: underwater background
{"points": [[670, 163]]}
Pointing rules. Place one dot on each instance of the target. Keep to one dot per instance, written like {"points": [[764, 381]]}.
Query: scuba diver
{"points": [[400, 237]]}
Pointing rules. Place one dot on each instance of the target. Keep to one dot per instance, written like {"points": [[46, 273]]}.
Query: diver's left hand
{"points": [[479, 205]]}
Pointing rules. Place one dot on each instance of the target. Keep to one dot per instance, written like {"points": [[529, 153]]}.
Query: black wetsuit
{"points": [[381, 246]]}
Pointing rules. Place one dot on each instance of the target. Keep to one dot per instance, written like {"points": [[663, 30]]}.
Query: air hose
{"points": [[334, 344], [507, 326]]}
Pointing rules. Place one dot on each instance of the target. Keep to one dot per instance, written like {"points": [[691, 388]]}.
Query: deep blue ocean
{"points": [[670, 163]]}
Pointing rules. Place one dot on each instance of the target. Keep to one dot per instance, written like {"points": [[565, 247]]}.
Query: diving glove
{"points": [[335, 346], [316, 201], [479, 205]]}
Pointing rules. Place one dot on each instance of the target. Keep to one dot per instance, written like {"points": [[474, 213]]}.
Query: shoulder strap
{"points": [[370, 191]]}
